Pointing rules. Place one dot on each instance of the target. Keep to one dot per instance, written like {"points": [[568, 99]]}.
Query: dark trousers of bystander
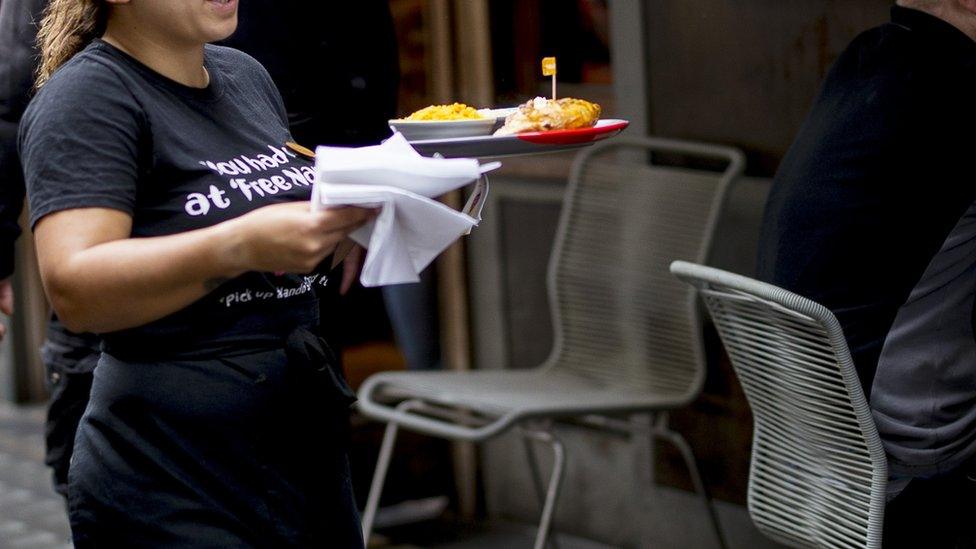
{"points": [[936, 513], [70, 360]]}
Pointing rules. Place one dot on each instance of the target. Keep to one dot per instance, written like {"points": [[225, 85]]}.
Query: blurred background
{"points": [[733, 73]]}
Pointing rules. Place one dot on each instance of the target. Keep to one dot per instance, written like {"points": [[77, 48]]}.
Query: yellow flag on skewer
{"points": [[549, 69], [548, 66]]}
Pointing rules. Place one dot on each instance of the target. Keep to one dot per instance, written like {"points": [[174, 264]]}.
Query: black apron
{"points": [[241, 446]]}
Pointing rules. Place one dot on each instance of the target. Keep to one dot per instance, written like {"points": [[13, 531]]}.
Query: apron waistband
{"points": [[245, 334]]}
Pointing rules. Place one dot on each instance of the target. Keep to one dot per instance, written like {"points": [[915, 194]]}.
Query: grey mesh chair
{"points": [[627, 334], [818, 471]]}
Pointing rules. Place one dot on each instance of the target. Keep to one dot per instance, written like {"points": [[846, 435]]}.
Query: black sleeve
{"points": [[81, 142], [17, 35]]}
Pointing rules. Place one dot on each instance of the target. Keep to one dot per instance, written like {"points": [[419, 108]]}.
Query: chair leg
{"points": [[379, 478], [382, 465], [662, 431], [540, 490], [555, 482]]}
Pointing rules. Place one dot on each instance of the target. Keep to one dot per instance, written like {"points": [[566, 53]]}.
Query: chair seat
{"points": [[524, 392]]}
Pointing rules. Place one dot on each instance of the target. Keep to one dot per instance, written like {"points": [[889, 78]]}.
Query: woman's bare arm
{"points": [[101, 280]]}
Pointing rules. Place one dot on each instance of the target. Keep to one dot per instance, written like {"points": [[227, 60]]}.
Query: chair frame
{"points": [[444, 420], [719, 284]]}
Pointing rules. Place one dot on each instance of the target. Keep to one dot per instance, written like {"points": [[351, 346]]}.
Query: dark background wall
{"points": [[744, 72]]}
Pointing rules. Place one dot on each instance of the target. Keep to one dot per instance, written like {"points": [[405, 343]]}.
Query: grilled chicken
{"points": [[541, 114]]}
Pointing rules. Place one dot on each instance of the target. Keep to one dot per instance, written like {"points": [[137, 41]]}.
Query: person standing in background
{"points": [[16, 76], [69, 358]]}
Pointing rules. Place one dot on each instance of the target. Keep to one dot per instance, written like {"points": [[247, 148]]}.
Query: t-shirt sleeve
{"points": [[80, 143]]}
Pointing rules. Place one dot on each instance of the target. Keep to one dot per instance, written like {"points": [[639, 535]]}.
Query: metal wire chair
{"points": [[818, 471], [627, 334]]}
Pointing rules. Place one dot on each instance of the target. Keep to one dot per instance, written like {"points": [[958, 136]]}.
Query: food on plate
{"points": [[541, 114], [456, 111]]}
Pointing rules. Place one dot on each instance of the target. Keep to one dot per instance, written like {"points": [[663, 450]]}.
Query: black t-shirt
{"points": [[879, 174], [107, 131]]}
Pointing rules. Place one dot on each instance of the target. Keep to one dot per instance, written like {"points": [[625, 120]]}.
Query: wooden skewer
{"points": [[304, 151]]}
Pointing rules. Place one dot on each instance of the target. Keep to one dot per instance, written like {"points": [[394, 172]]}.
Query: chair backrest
{"points": [[818, 471], [620, 319]]}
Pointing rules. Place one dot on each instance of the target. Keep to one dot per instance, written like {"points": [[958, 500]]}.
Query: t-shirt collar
{"points": [[212, 92]]}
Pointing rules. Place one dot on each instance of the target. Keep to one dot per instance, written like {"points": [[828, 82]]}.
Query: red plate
{"points": [[602, 130], [494, 146]]}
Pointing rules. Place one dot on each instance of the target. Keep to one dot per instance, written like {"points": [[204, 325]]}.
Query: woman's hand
{"points": [[290, 237]]}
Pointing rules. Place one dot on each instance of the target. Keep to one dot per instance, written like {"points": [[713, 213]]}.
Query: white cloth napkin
{"points": [[411, 228]]}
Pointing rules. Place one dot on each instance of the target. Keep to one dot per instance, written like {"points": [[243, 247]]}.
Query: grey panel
{"points": [[527, 233]]}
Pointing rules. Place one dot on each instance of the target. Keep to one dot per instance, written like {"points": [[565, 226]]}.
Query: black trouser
{"points": [[937, 513], [69, 360]]}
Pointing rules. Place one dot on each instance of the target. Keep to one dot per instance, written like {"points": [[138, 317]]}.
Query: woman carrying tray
{"points": [[163, 198]]}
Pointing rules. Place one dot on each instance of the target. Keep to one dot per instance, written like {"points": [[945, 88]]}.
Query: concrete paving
{"points": [[32, 515]]}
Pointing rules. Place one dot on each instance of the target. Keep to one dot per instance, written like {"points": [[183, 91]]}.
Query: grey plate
{"points": [[416, 130]]}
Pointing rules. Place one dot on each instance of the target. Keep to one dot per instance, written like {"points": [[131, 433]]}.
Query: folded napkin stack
{"points": [[411, 228]]}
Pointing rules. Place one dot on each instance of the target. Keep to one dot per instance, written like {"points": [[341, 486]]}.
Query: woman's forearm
{"points": [[129, 282], [101, 280]]}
